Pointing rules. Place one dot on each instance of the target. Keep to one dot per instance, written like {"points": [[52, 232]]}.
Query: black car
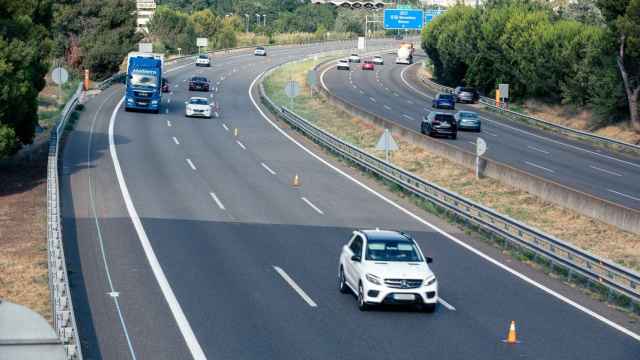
{"points": [[165, 85], [198, 83], [439, 123], [444, 101], [466, 94]]}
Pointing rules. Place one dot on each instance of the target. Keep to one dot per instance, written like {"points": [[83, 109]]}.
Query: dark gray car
{"points": [[439, 123]]}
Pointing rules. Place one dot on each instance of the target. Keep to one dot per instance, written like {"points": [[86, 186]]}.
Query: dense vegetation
{"points": [[567, 56]]}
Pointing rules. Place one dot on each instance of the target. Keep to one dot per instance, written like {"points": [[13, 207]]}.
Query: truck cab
{"points": [[144, 82]]}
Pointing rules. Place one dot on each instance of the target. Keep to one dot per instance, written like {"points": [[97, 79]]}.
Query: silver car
{"points": [[466, 94], [468, 120]]}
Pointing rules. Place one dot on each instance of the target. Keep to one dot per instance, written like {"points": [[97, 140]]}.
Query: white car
{"points": [[354, 58], [260, 51], [203, 60], [342, 64], [378, 60], [387, 267], [200, 107]]}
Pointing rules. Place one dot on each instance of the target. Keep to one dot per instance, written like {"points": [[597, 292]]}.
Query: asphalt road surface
{"points": [[393, 92], [185, 241]]}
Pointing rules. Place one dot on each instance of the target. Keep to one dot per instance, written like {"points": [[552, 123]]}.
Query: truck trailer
{"points": [[405, 54], [144, 81]]}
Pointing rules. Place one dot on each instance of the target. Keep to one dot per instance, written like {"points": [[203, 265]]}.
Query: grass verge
{"points": [[597, 237]]}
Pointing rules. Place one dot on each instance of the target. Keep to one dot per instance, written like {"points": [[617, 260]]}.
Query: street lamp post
{"points": [[257, 19], [247, 22], [264, 19]]}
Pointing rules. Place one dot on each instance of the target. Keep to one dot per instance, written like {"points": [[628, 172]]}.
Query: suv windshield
{"points": [[199, 101], [199, 79], [392, 250], [203, 56]]}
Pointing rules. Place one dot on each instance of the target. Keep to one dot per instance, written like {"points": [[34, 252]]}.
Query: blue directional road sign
{"points": [[429, 15], [409, 19]]}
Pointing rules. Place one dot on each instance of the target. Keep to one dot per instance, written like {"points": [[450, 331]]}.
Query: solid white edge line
{"points": [[468, 247], [312, 205], [605, 170], [407, 116], [538, 150], [241, 145], [175, 140], [539, 166], [446, 304], [295, 286], [176, 310], [268, 168], [625, 195], [218, 202], [193, 167]]}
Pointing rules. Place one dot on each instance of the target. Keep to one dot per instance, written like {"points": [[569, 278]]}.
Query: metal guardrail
{"points": [[64, 320], [583, 135], [613, 276]]}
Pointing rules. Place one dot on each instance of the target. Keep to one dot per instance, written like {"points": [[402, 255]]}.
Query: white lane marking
{"points": [[218, 202], [538, 150], [184, 80], [241, 145], [113, 293], [372, 99], [490, 133], [312, 205], [396, 94], [410, 102], [446, 304], [435, 228], [625, 195], [361, 92], [427, 109], [193, 167], [539, 166], [168, 123], [176, 86], [471, 142], [175, 140], [268, 168], [225, 126], [168, 101], [605, 170], [355, 87], [166, 111], [211, 95], [387, 107], [295, 286], [408, 117], [176, 310]]}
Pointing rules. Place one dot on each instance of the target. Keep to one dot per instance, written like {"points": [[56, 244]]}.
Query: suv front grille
{"points": [[403, 283]]}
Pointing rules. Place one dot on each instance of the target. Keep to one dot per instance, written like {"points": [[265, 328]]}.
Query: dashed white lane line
{"points": [[396, 94], [176, 86], [268, 169], [312, 205], [605, 170], [218, 202], [427, 109], [387, 107], [168, 101], [410, 102], [446, 304], [175, 140], [490, 133], [225, 126], [361, 92], [168, 123], [407, 116], [355, 87], [241, 145], [295, 286], [193, 167], [538, 150], [372, 99], [538, 166], [625, 195], [166, 111]]}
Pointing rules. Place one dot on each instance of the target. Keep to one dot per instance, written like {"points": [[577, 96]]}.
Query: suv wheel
{"points": [[342, 286], [362, 305]]}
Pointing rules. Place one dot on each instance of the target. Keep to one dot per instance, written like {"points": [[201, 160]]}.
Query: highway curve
{"points": [[175, 227], [393, 92]]}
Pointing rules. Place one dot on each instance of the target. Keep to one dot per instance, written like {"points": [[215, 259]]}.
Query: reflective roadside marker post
{"points": [[481, 148]]}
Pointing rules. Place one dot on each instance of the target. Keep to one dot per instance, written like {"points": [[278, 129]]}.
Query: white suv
{"points": [[203, 60], [387, 267]]}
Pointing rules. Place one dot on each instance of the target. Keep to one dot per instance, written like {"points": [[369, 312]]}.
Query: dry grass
{"points": [[23, 249], [571, 117], [589, 234]]}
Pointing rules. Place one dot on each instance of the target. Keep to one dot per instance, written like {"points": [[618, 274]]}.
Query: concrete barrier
{"points": [[611, 213]]}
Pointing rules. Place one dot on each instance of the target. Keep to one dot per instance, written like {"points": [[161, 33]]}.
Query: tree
{"points": [[206, 23], [174, 29], [24, 50], [623, 21], [350, 21]]}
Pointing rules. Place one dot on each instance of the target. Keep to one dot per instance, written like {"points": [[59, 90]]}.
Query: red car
{"points": [[367, 65]]}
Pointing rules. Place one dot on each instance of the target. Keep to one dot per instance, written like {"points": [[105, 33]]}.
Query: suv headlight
{"points": [[430, 280], [373, 279]]}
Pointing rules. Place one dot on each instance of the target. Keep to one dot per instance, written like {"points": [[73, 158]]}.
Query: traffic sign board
{"points": [[59, 75], [292, 89], [481, 146], [410, 19]]}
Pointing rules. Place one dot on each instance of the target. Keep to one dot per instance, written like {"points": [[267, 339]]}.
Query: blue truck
{"points": [[144, 80]]}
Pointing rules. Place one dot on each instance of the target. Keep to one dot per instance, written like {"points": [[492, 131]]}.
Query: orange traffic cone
{"points": [[511, 336], [296, 180]]}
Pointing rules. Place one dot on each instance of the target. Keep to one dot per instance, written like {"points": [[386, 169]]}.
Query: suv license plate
{"points": [[404, 296]]}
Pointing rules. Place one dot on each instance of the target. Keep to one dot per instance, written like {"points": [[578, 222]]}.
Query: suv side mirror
{"points": [[429, 260], [356, 258]]}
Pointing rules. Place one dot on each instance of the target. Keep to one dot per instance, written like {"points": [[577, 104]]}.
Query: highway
{"points": [[185, 241], [393, 92]]}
